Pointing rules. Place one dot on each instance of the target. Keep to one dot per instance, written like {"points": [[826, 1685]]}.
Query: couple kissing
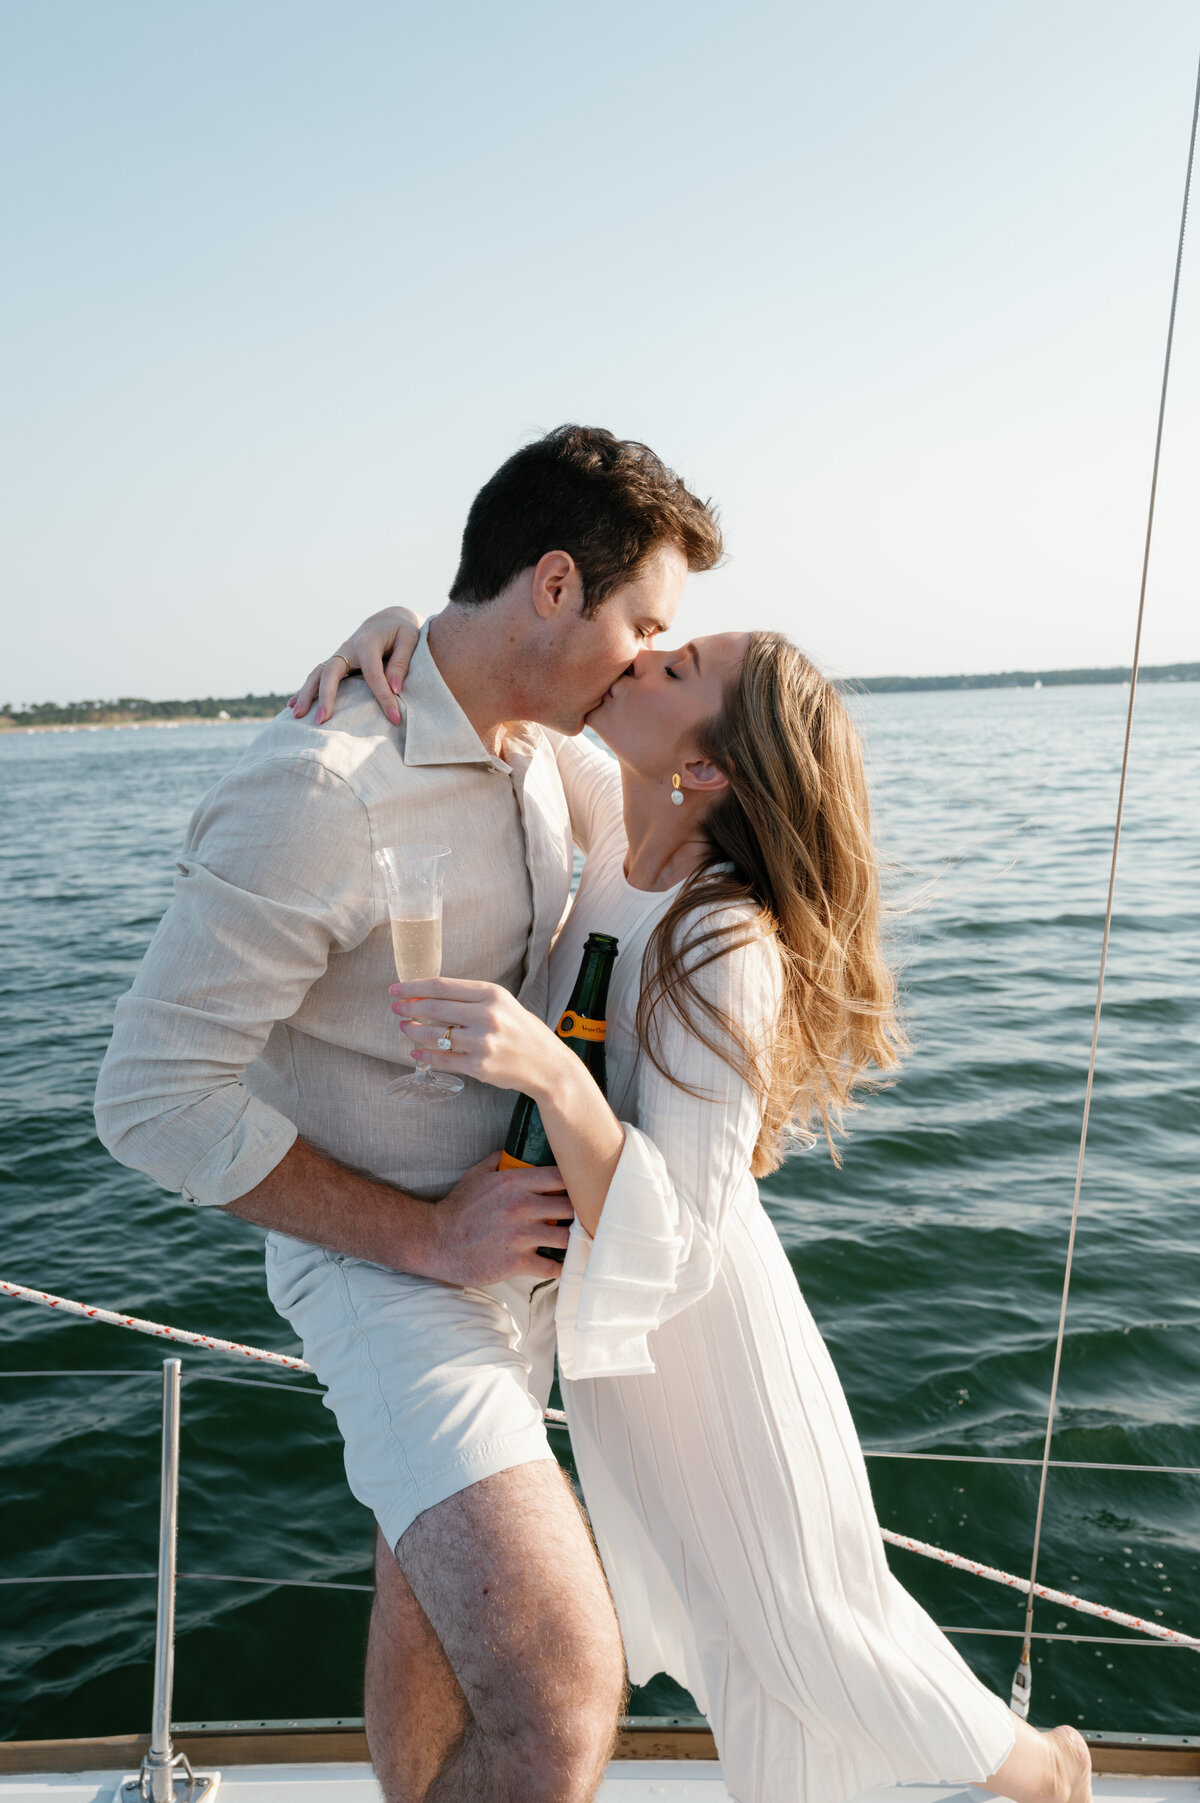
{"points": [[727, 848]]}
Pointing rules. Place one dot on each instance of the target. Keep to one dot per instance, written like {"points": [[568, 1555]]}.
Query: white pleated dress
{"points": [[718, 1458]]}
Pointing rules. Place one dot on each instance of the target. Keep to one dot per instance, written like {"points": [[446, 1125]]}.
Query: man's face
{"points": [[588, 655]]}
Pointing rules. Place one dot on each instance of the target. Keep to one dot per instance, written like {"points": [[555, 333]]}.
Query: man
{"points": [[248, 1069]]}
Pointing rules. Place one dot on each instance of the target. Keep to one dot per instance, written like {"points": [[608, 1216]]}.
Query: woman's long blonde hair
{"points": [[791, 837]]}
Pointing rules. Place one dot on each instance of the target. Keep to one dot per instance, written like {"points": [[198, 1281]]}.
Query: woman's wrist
{"points": [[553, 1069], [571, 1103]]}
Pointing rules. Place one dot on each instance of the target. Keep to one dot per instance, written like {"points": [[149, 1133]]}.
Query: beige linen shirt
{"points": [[261, 1010]]}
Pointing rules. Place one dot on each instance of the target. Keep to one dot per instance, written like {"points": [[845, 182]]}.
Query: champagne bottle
{"points": [[582, 1027]]}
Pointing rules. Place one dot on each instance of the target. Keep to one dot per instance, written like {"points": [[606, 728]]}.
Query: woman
{"points": [[729, 851]]}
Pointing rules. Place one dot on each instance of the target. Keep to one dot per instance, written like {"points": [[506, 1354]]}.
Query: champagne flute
{"points": [[414, 876]]}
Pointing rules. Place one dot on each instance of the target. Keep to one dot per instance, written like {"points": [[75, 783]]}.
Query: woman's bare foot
{"points": [[1076, 1764], [1050, 1767]]}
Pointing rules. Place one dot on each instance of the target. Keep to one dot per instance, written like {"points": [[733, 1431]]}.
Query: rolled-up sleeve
{"points": [[276, 876], [657, 1246]]}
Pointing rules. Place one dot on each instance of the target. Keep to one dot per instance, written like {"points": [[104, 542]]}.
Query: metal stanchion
{"points": [[166, 1775], [158, 1780]]}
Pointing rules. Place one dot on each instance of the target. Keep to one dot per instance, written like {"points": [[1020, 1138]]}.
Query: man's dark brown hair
{"points": [[610, 503]]}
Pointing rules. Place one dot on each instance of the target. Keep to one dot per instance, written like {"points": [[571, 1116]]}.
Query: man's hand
{"points": [[487, 1229], [491, 1224]]}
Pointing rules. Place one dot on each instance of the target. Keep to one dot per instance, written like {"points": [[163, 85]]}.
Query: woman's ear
{"points": [[703, 776]]}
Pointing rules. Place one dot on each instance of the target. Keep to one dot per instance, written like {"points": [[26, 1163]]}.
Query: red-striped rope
{"points": [[156, 1328], [1118, 1616]]}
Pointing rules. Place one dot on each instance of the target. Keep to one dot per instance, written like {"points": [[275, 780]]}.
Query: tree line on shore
{"points": [[130, 709], [1026, 679]]}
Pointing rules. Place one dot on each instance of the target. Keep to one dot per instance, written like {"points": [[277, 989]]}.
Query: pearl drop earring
{"points": [[677, 789]]}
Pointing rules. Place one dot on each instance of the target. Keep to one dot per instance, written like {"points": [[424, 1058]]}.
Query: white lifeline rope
{"points": [[159, 1331], [156, 1328], [1051, 1596], [1022, 1683], [557, 1418]]}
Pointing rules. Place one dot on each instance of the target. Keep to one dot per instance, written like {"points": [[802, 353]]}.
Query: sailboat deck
{"points": [[627, 1781]]}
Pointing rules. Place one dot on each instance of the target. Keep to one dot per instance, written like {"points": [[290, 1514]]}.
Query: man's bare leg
{"points": [[415, 1709], [507, 1580]]}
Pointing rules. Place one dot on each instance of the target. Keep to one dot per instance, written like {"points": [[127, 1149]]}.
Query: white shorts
{"points": [[433, 1387]]}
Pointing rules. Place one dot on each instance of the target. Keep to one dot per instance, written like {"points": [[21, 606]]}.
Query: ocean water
{"points": [[932, 1259]]}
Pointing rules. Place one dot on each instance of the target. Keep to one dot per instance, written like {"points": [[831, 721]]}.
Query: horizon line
{"points": [[1066, 676]]}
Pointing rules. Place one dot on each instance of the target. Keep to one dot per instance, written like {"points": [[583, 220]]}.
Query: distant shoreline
{"points": [[134, 710], [1025, 679], [149, 723], [95, 716]]}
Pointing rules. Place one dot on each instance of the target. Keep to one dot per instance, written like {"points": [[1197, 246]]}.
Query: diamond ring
{"points": [[443, 1044]]}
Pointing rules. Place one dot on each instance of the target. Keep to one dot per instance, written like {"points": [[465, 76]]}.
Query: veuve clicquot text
{"points": [[582, 1026]]}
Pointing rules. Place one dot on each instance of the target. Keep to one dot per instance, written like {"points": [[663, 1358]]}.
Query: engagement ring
{"points": [[443, 1044]]}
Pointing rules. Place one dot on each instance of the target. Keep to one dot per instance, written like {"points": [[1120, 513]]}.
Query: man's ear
{"points": [[703, 776], [557, 587]]}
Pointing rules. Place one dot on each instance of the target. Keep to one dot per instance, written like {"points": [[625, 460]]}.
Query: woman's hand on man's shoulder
{"points": [[392, 633]]}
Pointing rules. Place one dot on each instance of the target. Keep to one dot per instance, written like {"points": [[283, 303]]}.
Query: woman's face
{"points": [[651, 715]]}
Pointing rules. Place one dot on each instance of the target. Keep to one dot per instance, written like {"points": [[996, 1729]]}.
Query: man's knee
{"points": [[559, 1761], [555, 1732], [510, 1582], [598, 1688]]}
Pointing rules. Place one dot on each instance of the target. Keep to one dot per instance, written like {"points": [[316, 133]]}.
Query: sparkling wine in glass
{"points": [[414, 876]]}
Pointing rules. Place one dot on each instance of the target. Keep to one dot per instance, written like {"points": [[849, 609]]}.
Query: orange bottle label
{"points": [[577, 1026], [514, 1164]]}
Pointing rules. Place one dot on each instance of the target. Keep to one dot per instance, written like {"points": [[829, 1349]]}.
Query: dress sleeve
{"points": [[591, 781], [657, 1246], [276, 877]]}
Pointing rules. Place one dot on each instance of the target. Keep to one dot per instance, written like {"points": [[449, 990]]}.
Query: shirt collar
{"points": [[436, 731]]}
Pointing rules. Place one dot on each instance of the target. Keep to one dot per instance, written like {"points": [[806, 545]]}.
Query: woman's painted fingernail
{"points": [[319, 717], [397, 683], [394, 715]]}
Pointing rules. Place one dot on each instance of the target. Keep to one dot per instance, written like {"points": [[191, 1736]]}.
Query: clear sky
{"points": [[285, 280]]}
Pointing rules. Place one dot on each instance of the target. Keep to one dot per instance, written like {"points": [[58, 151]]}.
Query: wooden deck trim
{"points": [[1115, 1759], [1150, 1756], [646, 1742], [289, 1746]]}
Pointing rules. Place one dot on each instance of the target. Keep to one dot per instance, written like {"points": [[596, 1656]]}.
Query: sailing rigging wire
{"points": [[1118, 1617], [556, 1417], [1022, 1683], [553, 1418]]}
